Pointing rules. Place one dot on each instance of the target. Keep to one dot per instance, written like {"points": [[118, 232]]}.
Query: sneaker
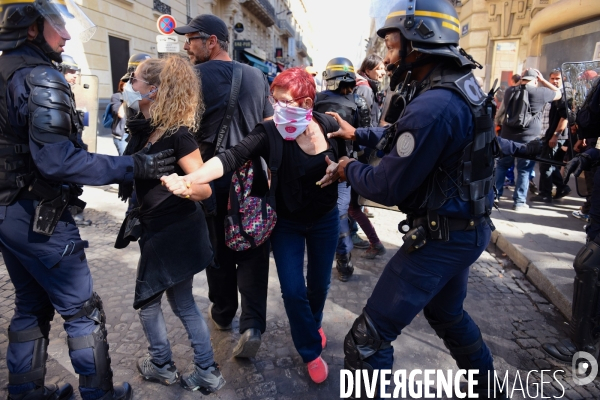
{"points": [[323, 338], [562, 193], [318, 370], [373, 251], [368, 213], [578, 214], [219, 327], [209, 379], [533, 189], [541, 199], [359, 243], [167, 375], [520, 207], [248, 344]]}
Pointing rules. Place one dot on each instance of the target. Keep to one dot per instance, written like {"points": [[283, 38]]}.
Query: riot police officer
{"points": [[340, 79], [439, 171], [41, 166]]}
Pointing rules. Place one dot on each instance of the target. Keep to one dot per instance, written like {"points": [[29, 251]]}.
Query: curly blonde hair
{"points": [[178, 99]]}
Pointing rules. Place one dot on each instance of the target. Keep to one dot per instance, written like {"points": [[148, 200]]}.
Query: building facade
{"points": [[269, 34]]}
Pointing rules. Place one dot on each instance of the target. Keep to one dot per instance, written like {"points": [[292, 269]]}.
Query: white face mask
{"points": [[290, 121], [132, 97]]}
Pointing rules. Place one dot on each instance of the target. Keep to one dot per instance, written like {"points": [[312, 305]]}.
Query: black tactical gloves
{"points": [[152, 166], [533, 148], [581, 162]]}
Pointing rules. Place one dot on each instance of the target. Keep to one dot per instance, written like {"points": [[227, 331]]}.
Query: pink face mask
{"points": [[290, 121]]}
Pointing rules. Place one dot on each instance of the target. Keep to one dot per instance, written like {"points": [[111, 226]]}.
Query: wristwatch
{"points": [[557, 133]]}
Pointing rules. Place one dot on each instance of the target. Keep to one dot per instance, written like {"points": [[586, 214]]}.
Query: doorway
{"points": [[119, 56]]}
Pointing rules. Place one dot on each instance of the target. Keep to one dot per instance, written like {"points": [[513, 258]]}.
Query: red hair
{"points": [[297, 81]]}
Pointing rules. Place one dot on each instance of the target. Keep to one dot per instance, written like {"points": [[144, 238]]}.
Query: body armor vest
{"points": [[51, 115], [351, 107], [471, 175]]}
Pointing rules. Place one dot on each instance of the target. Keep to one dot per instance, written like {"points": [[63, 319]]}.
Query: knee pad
{"points": [[460, 353], [97, 341], [39, 337], [586, 298], [361, 342]]}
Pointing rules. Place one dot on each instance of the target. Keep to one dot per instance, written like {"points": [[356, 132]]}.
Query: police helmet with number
{"points": [[339, 70], [17, 15], [432, 27]]}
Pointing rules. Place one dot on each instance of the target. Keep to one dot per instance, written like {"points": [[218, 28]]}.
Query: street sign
{"points": [[166, 24], [167, 39], [242, 44], [239, 27], [167, 47]]}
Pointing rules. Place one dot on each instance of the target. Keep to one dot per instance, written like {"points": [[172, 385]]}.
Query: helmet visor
{"points": [[67, 19]]}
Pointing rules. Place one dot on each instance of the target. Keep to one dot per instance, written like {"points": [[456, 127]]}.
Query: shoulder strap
{"points": [[275, 157], [233, 96]]}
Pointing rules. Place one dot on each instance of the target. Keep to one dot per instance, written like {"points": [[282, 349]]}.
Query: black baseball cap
{"points": [[206, 23]]}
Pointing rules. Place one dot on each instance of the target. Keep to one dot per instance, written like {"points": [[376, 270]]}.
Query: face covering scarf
{"points": [[291, 122]]}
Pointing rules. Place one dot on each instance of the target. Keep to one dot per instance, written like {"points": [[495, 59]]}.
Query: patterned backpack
{"points": [[250, 218]]}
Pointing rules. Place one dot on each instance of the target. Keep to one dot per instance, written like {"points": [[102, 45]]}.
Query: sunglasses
{"points": [[133, 79]]}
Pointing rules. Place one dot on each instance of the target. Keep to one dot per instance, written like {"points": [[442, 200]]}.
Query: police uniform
{"points": [[439, 171], [353, 109], [41, 166]]}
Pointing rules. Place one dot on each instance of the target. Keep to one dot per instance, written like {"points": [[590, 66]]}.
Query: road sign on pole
{"points": [[166, 24]]}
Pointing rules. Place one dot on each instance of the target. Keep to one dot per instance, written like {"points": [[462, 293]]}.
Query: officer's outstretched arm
{"points": [[368, 137]]}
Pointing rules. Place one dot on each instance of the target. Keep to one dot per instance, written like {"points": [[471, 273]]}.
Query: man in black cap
{"points": [[206, 42]]}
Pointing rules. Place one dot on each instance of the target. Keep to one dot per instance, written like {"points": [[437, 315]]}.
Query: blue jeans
{"points": [[433, 278], [345, 244], [523, 173], [184, 306], [304, 302]]}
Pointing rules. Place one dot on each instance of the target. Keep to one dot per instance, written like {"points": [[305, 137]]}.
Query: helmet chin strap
{"points": [[40, 41], [401, 66]]}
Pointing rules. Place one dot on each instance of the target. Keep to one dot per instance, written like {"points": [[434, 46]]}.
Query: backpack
{"points": [[251, 218], [107, 117], [518, 109], [588, 116]]}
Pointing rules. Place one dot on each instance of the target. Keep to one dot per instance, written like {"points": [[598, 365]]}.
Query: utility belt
{"points": [[418, 229], [53, 200]]}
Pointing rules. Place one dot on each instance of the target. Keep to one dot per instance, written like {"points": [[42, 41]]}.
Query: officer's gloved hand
{"points": [[152, 166], [581, 162], [533, 148]]}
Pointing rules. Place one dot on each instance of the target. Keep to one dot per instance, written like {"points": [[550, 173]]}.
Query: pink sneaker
{"points": [[323, 338], [318, 370]]}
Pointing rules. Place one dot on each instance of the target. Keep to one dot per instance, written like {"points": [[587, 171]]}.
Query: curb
{"points": [[533, 274]]}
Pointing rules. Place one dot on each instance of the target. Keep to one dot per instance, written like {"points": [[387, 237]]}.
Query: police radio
{"points": [[400, 99]]}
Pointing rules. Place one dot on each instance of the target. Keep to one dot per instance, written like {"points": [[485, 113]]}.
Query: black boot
{"points": [[563, 350], [119, 392], [48, 392], [344, 266]]}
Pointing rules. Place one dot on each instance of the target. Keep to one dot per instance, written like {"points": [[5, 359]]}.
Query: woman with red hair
{"points": [[307, 214]]}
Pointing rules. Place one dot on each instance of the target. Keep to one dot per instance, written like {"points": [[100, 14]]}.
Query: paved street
{"points": [[513, 317]]}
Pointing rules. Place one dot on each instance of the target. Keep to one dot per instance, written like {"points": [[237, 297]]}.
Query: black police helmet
{"points": [[68, 63], [132, 64], [432, 26], [15, 19], [339, 70]]}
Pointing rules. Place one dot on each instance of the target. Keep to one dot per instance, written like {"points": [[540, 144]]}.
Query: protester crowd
{"points": [[220, 168]]}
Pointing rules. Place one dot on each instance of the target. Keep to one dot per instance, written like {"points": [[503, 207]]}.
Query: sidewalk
{"points": [[543, 241]]}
